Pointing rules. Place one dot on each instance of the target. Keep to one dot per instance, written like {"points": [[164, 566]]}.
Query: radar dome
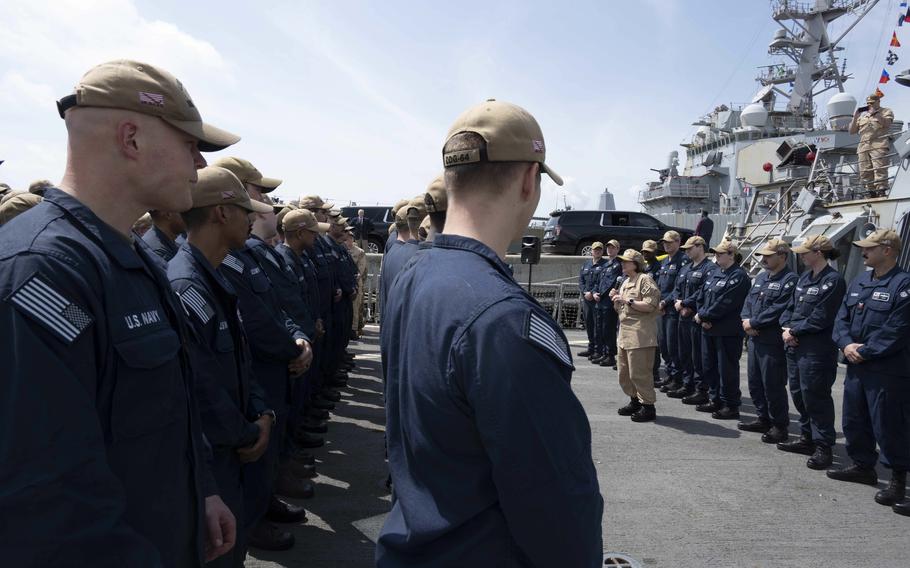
{"points": [[754, 115], [840, 110]]}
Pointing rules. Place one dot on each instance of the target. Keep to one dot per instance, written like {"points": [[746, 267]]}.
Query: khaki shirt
{"points": [[638, 329], [872, 128]]}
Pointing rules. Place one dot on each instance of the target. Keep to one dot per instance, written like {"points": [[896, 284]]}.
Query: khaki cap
{"points": [[218, 186], [284, 211], [649, 245], [418, 204], [814, 243], [401, 218], [143, 88], [873, 98], [671, 236], [398, 205], [724, 246], [597, 245], [694, 241], [881, 237], [4, 189], [613, 243], [334, 213], [632, 255], [511, 134], [296, 219], [15, 203], [435, 198], [340, 221], [774, 246], [314, 202], [425, 226], [247, 173]]}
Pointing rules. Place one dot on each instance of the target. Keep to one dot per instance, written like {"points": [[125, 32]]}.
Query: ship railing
{"points": [[782, 9], [834, 190], [688, 191], [780, 219]]}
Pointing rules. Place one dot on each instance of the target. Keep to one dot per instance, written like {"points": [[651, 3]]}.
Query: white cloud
{"points": [[15, 89]]}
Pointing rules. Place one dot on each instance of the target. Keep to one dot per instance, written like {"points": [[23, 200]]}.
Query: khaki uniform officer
{"points": [[636, 303], [873, 125]]}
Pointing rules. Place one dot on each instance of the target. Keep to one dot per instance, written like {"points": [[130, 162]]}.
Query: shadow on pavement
{"points": [[697, 426]]}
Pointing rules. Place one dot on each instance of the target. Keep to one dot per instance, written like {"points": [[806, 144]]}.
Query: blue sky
{"points": [[352, 100]]}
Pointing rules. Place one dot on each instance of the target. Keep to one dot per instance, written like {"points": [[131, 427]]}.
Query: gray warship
{"points": [[775, 167]]}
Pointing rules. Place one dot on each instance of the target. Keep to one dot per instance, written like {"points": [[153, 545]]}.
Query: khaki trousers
{"points": [[357, 321], [873, 169], [636, 376]]}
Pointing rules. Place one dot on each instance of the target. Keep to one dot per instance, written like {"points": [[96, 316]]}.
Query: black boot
{"points": [[629, 409], [775, 435], [700, 397], [760, 425], [894, 493], [597, 358], [266, 536], [681, 392], [821, 459], [645, 414], [585, 353], [726, 413], [855, 474], [803, 445], [712, 406], [282, 512], [608, 361], [902, 508]]}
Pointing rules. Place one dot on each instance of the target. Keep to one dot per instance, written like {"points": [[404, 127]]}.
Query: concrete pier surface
{"points": [[684, 491]]}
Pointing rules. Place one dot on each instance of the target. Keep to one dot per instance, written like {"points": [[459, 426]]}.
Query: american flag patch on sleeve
{"points": [[45, 305], [195, 303], [233, 263], [541, 333]]}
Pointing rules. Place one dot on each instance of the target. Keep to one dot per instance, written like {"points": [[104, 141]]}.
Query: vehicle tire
{"points": [[583, 248], [375, 246]]}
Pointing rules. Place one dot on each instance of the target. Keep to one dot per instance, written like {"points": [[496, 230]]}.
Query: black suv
{"points": [[573, 232], [381, 215]]}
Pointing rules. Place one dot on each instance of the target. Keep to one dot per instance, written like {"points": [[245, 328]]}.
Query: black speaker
{"points": [[530, 249]]}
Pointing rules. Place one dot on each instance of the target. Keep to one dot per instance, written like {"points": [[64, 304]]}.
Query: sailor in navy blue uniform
{"points": [[666, 282], [685, 300], [872, 330], [394, 261], [588, 276], [489, 449], [113, 470], [394, 238], [606, 318], [719, 306], [166, 227], [235, 416], [808, 323], [768, 298], [649, 251]]}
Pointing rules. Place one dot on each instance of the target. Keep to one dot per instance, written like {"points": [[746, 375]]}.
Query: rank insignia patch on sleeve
{"points": [[44, 304]]}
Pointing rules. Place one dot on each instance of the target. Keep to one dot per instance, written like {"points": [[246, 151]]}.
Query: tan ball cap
{"points": [[297, 219], [694, 241], [247, 173], [881, 237], [435, 198], [511, 134], [671, 236], [613, 243], [218, 186], [597, 245], [774, 246], [724, 246], [814, 243], [632, 255], [649, 245], [418, 204], [398, 205], [314, 202], [14, 204], [143, 88]]}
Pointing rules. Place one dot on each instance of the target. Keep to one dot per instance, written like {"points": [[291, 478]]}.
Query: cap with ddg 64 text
{"points": [[774, 246], [881, 237], [435, 197], [814, 243], [297, 219], [218, 186], [146, 89], [247, 173], [511, 134]]}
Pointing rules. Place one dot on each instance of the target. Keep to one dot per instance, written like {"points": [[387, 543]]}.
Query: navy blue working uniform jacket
{"points": [[305, 271], [392, 263], [325, 274], [666, 279], [876, 313], [286, 284], [813, 307], [610, 272], [689, 283], [161, 244], [721, 301], [589, 275], [229, 400], [102, 460], [768, 297], [489, 449]]}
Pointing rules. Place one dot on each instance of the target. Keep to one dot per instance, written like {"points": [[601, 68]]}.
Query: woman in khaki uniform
{"points": [[636, 303], [360, 260]]}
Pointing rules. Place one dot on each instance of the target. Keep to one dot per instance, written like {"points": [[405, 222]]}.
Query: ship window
{"points": [[641, 220], [621, 219]]}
